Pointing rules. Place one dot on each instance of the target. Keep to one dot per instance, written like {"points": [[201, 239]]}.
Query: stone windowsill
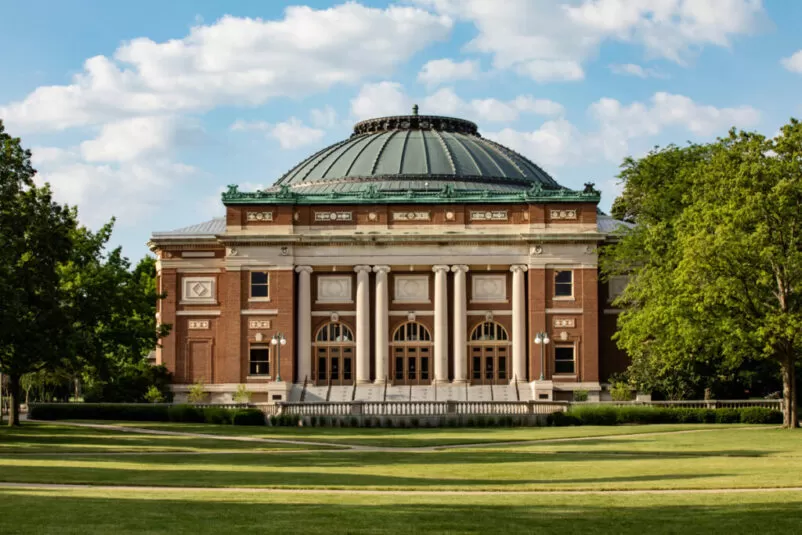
{"points": [[570, 299], [258, 377], [258, 299], [199, 302]]}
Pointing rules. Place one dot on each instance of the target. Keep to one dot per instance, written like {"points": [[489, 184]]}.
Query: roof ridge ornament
{"points": [[415, 110]]}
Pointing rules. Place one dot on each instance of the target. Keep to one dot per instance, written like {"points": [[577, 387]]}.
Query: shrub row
{"points": [[145, 412], [607, 415]]}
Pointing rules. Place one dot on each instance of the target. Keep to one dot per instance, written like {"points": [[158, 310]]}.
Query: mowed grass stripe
{"points": [[135, 512]]}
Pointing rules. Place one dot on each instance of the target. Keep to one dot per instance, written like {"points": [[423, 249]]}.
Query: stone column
{"points": [[518, 324], [362, 324], [304, 337], [460, 324], [382, 324], [440, 324]]}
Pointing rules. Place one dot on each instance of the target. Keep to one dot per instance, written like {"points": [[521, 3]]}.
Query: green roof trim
{"points": [[284, 195]]}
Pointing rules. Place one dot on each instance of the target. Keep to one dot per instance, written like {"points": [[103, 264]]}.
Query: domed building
{"points": [[413, 260]]}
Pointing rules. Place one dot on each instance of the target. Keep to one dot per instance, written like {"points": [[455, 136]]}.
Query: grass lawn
{"points": [[54, 438], [415, 438], [627, 458], [141, 512], [718, 458]]}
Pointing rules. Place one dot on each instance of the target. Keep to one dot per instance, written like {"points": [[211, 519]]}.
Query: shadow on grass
{"points": [[69, 514]]}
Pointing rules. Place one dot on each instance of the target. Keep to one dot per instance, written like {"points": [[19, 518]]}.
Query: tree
{"points": [[718, 279], [35, 239]]}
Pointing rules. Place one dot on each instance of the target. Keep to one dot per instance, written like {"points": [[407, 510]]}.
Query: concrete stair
{"points": [[341, 393], [294, 395], [504, 393], [422, 393], [451, 393], [479, 393], [315, 394], [369, 393], [525, 391], [397, 393]]}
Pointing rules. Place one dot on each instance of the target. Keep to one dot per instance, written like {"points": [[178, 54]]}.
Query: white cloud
{"points": [[324, 117], [550, 41], [794, 62], [380, 99], [446, 102], [440, 71], [130, 139], [542, 70], [631, 69], [622, 129], [290, 134], [129, 190], [233, 61]]}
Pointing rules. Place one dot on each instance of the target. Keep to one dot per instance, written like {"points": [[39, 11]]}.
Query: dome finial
{"points": [[414, 109]]}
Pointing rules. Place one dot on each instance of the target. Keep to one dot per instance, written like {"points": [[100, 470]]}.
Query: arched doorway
{"points": [[334, 355], [411, 354], [489, 350]]}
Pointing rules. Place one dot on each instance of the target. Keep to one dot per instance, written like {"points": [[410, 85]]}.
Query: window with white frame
{"points": [[260, 285], [564, 360], [260, 360], [563, 283]]}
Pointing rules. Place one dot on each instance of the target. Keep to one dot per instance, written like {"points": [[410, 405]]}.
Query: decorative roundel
{"points": [[488, 215], [450, 216], [411, 215], [372, 216], [333, 216]]}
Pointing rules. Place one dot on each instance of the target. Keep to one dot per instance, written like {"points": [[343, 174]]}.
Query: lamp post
{"points": [[542, 339], [278, 340]]}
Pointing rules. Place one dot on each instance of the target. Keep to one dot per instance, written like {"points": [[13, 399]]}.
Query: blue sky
{"points": [[146, 110]]}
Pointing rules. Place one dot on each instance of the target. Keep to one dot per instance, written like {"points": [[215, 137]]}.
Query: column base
{"points": [[459, 382], [383, 381], [440, 382], [363, 382]]}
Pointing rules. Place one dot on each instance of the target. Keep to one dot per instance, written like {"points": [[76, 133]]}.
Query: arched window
{"points": [[334, 332], [412, 331], [489, 331]]}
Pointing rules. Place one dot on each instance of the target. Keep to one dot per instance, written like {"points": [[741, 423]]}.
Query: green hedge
{"points": [[611, 415], [146, 412]]}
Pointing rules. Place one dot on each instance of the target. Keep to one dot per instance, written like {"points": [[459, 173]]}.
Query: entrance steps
{"points": [[294, 396], [480, 393], [505, 393], [315, 394], [369, 393], [525, 391], [341, 393], [452, 393], [397, 393], [421, 393]]}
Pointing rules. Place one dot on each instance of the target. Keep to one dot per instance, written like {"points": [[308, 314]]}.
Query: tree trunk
{"points": [[790, 417], [13, 392]]}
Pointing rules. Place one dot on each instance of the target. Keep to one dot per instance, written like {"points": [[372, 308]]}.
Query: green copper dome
{"points": [[415, 153]]}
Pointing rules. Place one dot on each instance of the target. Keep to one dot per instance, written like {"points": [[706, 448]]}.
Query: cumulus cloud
{"points": [[621, 128], [794, 62], [130, 139], [440, 71], [324, 117], [446, 102], [550, 41], [631, 69], [290, 134], [233, 61], [378, 99]]}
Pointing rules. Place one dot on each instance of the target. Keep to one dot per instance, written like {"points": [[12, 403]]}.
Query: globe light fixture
{"points": [[278, 340], [542, 339]]}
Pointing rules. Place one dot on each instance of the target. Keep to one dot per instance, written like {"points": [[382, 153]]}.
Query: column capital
{"points": [[440, 268], [521, 268], [362, 269], [462, 269], [381, 269], [303, 269]]}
